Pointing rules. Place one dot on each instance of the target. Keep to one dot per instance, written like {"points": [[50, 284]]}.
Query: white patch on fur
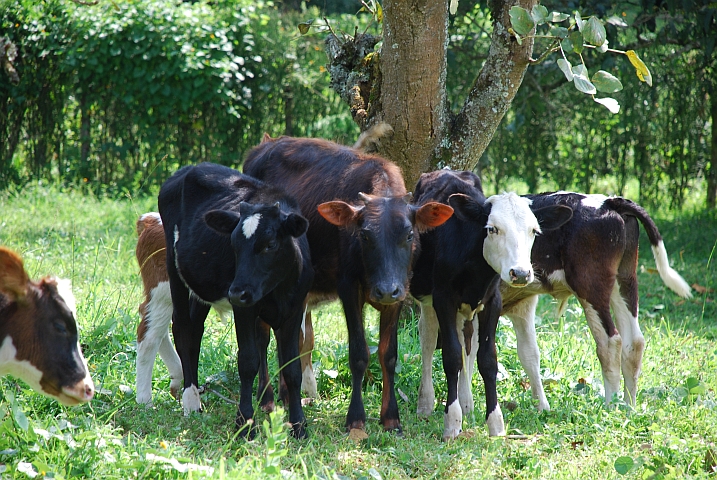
{"points": [[608, 351], [176, 236], [496, 426], [465, 375], [672, 279], [64, 288], [509, 249], [250, 225], [308, 383], [191, 401], [633, 343], [452, 421], [154, 215], [594, 200]]}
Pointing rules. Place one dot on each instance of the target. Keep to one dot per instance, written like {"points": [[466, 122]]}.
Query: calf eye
{"points": [[409, 237], [271, 246], [60, 327], [491, 229]]}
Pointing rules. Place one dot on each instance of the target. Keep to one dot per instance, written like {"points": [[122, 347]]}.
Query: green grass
{"points": [[671, 433]]}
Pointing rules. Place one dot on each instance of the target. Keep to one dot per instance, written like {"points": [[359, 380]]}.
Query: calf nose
{"points": [[89, 391], [520, 277], [240, 297], [388, 294]]}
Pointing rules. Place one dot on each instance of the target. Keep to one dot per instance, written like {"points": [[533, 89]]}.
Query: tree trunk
{"points": [[711, 173], [408, 88]]}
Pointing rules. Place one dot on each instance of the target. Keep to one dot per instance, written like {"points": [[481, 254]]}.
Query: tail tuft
{"points": [[672, 279], [371, 138]]}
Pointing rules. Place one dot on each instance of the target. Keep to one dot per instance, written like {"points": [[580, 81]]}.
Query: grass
{"points": [[671, 433]]}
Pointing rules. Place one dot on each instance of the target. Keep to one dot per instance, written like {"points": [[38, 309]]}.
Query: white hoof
{"points": [[452, 421], [191, 400], [496, 426]]}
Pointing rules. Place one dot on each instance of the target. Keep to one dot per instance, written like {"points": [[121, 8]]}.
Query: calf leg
{"points": [[152, 334], [488, 363], [609, 344], [248, 362], [452, 364], [467, 327], [387, 355], [264, 390], [428, 334], [633, 342], [306, 346], [288, 348], [523, 317], [358, 356]]}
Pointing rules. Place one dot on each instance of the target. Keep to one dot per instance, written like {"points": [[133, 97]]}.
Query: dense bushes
{"points": [[117, 94]]}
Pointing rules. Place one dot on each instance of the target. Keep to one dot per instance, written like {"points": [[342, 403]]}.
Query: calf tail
{"points": [[672, 279], [369, 139]]}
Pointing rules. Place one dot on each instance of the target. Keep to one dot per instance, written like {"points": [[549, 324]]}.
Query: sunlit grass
{"points": [[670, 433]]}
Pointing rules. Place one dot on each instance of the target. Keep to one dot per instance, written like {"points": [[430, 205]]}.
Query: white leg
{"points": [[465, 376], [428, 333], [523, 317], [191, 401], [173, 363], [633, 343], [158, 317], [496, 426], [608, 351], [452, 421]]}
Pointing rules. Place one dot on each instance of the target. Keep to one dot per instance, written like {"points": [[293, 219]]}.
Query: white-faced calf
{"points": [[458, 274], [38, 334]]}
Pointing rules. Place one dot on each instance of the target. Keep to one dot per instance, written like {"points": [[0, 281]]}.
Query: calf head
{"points": [[262, 238], [38, 334], [387, 229], [511, 226]]}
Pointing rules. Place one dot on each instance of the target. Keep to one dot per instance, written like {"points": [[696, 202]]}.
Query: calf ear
{"points": [[339, 213], [222, 221], [13, 278], [294, 225], [466, 208], [431, 215], [553, 217]]}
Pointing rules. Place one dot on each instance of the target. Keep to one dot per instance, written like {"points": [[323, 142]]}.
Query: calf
{"points": [[459, 272], [155, 310], [38, 334], [594, 257], [362, 234], [156, 317], [233, 240]]}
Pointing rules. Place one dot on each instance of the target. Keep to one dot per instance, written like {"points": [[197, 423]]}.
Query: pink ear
{"points": [[338, 213], [266, 138], [13, 278], [432, 215]]}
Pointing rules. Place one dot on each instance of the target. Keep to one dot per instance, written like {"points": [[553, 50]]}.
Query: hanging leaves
{"points": [[594, 32], [606, 82], [521, 20], [643, 73]]}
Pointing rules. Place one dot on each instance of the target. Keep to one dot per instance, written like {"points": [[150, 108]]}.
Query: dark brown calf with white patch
{"points": [[594, 257], [156, 318], [38, 334], [362, 235]]}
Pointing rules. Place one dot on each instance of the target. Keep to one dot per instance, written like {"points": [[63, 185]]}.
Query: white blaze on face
{"points": [[511, 231], [250, 225]]}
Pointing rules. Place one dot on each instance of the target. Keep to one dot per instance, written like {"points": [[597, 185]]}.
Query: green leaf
{"points": [[560, 32], [304, 27], [539, 14], [576, 39], [520, 20], [581, 81], [556, 17], [566, 68], [606, 82], [624, 464], [609, 103], [594, 32], [578, 20], [694, 386]]}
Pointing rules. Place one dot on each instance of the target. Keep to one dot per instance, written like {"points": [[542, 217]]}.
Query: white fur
{"points": [[608, 351], [509, 249], [64, 289], [496, 426], [523, 318], [452, 421], [308, 378], [428, 334], [250, 225], [465, 376], [156, 339], [20, 369], [633, 343], [176, 235], [191, 401], [594, 200], [671, 278]]}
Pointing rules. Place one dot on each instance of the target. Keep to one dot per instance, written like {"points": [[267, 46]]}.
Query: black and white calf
{"points": [[594, 257], [458, 273], [234, 240]]}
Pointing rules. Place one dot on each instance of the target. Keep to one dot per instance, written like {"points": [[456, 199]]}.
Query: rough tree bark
{"points": [[405, 85]]}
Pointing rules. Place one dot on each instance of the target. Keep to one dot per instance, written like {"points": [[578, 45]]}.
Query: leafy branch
{"points": [[574, 38]]}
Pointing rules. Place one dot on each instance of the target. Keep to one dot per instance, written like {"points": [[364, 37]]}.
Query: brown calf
{"points": [[38, 334]]}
